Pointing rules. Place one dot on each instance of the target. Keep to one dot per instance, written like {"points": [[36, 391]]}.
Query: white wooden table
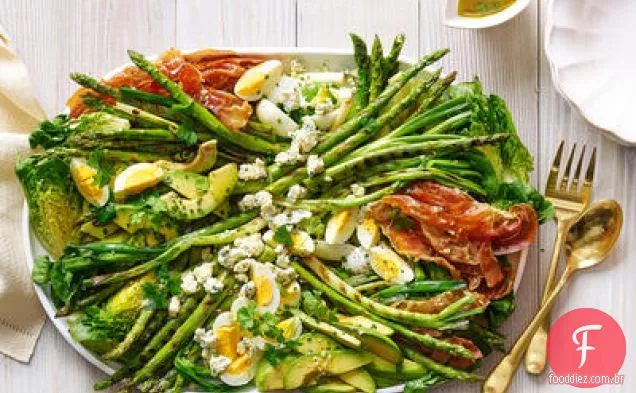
{"points": [[55, 37]]}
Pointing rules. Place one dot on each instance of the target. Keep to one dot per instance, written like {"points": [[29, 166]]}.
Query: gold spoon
{"points": [[587, 244]]}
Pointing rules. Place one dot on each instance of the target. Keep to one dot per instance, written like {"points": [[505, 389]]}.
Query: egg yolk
{"points": [[264, 290], [239, 364], [84, 177], [388, 267], [289, 295], [141, 179], [250, 83], [288, 327], [227, 339]]}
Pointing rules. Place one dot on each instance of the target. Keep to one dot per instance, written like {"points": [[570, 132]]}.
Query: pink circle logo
{"points": [[586, 348]]}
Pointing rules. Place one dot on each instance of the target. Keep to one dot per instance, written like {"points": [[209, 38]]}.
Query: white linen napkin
{"points": [[21, 315]]}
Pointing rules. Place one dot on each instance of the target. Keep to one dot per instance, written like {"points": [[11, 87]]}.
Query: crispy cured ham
{"points": [[448, 227], [208, 76]]}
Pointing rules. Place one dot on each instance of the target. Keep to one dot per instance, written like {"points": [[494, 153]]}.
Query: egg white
{"points": [[258, 80], [260, 270], [387, 264]]}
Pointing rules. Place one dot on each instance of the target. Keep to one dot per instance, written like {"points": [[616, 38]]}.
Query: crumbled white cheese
{"points": [[292, 156], [289, 218], [268, 236], [283, 260], [218, 364], [244, 247], [252, 245], [213, 285], [146, 303], [174, 307], [314, 165], [255, 201], [307, 136], [357, 190], [243, 266], [205, 338], [189, 283], [357, 261], [285, 276], [248, 290], [280, 248], [203, 272], [241, 277], [254, 171], [296, 192]]}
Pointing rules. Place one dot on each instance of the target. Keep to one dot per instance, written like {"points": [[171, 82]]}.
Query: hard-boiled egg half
{"points": [[368, 232], [269, 113], [84, 175], [341, 225], [292, 328], [267, 292], [228, 334], [137, 178], [387, 264], [258, 80]]}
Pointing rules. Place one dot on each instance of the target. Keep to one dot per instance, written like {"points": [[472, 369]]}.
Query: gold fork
{"points": [[569, 203]]}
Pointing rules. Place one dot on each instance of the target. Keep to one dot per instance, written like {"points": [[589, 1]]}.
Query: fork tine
{"points": [[568, 168], [577, 172], [589, 175], [554, 170]]}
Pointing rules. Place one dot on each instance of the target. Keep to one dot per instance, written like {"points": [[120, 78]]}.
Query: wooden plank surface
{"points": [[55, 37]]}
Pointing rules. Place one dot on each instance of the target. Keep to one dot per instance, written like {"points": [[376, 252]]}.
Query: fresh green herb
{"points": [[275, 353], [423, 384], [297, 114], [156, 294], [249, 318], [102, 166], [283, 236], [186, 132], [104, 214]]}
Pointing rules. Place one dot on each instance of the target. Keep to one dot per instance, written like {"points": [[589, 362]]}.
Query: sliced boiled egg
{"points": [[83, 175], [387, 264], [267, 292], [333, 252], [228, 334], [282, 125], [302, 243], [137, 178], [341, 225], [258, 80], [290, 296], [368, 232], [292, 327]]}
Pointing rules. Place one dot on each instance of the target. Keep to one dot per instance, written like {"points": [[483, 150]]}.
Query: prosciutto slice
{"points": [[448, 227], [208, 76]]}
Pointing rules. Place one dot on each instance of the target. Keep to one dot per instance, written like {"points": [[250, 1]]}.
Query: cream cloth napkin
{"points": [[21, 315]]}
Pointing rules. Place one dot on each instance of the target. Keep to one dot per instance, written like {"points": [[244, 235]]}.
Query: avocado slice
{"points": [[409, 369], [315, 343], [268, 376], [189, 184], [202, 162], [359, 320], [331, 331], [331, 387], [375, 342], [360, 379], [221, 183], [306, 369]]}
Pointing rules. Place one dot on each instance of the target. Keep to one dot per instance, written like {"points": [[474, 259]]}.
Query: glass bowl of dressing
{"points": [[480, 14]]}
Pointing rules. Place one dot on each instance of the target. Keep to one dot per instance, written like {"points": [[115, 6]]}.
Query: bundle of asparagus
{"points": [[193, 253]]}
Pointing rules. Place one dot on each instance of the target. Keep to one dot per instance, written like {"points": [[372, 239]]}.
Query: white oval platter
{"points": [[314, 59], [587, 43]]}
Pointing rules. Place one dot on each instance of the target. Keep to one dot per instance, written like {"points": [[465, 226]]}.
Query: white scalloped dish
{"points": [[588, 44], [313, 59]]}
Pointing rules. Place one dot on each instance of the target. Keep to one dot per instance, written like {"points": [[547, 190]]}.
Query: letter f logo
{"points": [[583, 344]]}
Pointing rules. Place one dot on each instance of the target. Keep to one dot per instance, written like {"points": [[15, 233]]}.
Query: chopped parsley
{"points": [[282, 235]]}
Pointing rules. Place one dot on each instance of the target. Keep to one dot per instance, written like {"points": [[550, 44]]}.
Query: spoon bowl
{"points": [[593, 236]]}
